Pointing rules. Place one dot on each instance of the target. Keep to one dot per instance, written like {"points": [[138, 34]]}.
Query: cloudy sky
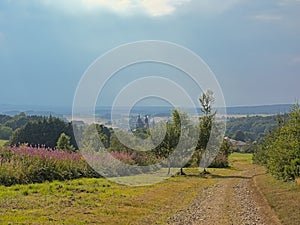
{"points": [[252, 46]]}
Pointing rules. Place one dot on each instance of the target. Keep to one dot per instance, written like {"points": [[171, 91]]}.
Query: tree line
{"points": [[279, 150], [177, 145], [252, 128], [53, 132]]}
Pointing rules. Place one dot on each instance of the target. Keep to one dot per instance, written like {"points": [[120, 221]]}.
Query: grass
{"points": [[100, 201], [283, 197], [240, 158], [3, 142]]}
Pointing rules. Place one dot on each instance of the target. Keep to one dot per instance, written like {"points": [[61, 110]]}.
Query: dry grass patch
{"points": [[283, 197]]}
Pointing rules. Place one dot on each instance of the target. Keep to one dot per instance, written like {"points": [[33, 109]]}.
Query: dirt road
{"points": [[234, 200]]}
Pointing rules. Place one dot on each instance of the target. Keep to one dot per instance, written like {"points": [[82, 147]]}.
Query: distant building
{"points": [[139, 122], [142, 124], [78, 122], [239, 145], [146, 122]]}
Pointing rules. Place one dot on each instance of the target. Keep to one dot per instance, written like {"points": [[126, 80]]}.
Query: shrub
{"points": [[292, 171], [279, 151], [23, 165]]}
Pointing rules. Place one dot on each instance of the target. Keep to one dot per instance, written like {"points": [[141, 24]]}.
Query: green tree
{"points": [[5, 132], [90, 140], [4, 119], [43, 131], [221, 160], [240, 136], [178, 128], [280, 149], [205, 126], [64, 143]]}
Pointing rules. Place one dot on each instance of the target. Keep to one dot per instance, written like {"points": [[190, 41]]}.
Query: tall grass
{"points": [[23, 165]]}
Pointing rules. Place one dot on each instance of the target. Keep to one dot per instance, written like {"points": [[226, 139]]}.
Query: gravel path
{"points": [[234, 200]]}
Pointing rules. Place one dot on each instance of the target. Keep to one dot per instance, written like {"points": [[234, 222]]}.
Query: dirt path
{"points": [[234, 200]]}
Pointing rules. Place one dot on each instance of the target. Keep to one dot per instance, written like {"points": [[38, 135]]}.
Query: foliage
{"points": [[208, 128], [253, 127], [3, 143], [176, 147], [5, 132], [240, 136], [19, 120], [22, 165], [293, 169], [43, 132], [64, 143], [280, 150], [221, 160], [4, 119]]}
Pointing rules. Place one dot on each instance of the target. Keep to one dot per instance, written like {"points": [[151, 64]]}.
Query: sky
{"points": [[252, 46]]}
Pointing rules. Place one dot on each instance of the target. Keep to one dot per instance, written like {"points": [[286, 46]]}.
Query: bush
{"points": [[279, 151], [292, 171], [25, 165]]}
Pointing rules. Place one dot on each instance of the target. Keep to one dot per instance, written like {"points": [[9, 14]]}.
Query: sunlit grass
{"points": [[3, 142], [283, 197], [101, 201], [97, 201]]}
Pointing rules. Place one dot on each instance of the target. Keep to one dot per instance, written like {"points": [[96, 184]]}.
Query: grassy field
{"points": [[2, 142], [99, 201], [283, 197]]}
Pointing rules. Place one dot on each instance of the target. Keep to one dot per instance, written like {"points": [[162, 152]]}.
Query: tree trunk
{"points": [[181, 172]]}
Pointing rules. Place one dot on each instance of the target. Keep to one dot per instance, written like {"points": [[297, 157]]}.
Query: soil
{"points": [[234, 200]]}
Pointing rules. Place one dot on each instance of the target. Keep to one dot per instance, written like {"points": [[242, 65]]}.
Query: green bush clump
{"points": [[279, 151]]}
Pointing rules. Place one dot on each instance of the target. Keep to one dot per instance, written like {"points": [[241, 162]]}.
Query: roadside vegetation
{"points": [[279, 151], [100, 201], [283, 197], [44, 149], [252, 128], [2, 143]]}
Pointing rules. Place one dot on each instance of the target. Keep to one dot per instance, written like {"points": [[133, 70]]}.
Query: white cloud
{"points": [[160, 7], [154, 8], [128, 7]]}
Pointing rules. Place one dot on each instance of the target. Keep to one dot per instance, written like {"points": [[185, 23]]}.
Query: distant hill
{"points": [[149, 110], [13, 110], [263, 109]]}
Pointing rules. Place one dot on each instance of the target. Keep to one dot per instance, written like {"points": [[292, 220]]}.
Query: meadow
{"points": [[283, 197], [100, 201], [86, 201]]}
